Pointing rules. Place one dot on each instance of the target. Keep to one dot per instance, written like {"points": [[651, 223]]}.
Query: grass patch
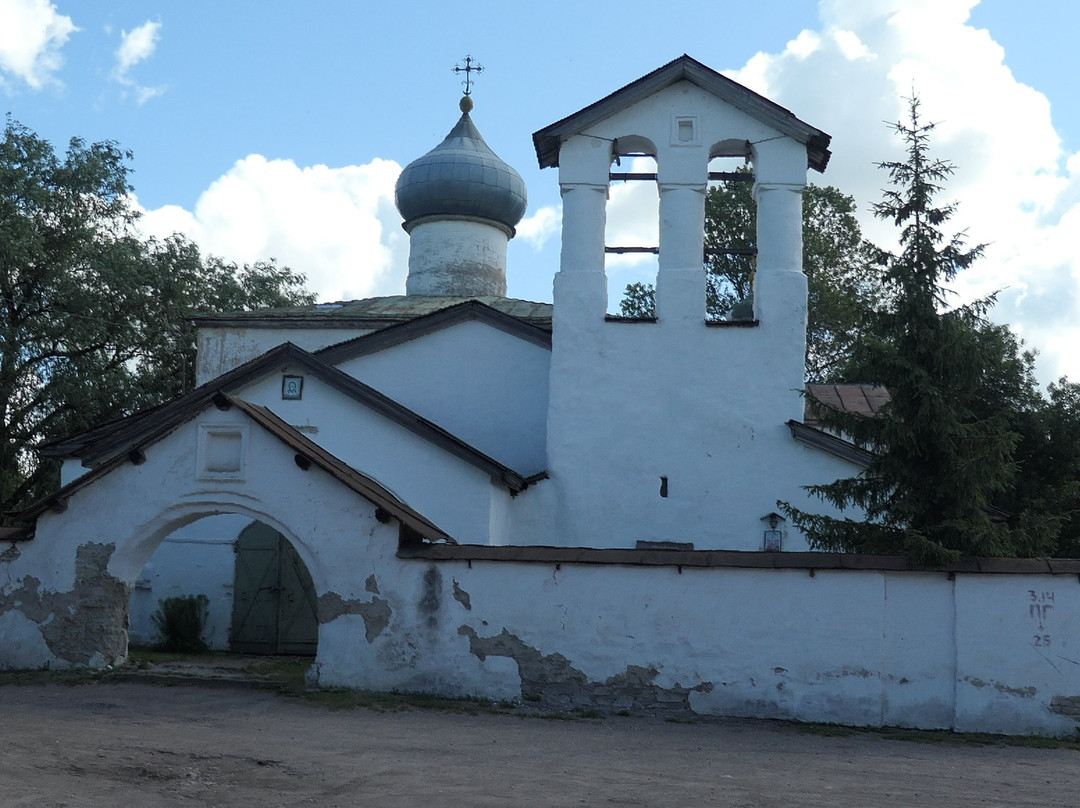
{"points": [[938, 737], [142, 656], [826, 730], [334, 698], [67, 676]]}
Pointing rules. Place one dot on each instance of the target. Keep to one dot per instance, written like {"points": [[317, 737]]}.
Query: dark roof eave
{"points": [[838, 447]]}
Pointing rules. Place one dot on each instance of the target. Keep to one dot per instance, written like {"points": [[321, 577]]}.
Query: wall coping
{"points": [[732, 559]]}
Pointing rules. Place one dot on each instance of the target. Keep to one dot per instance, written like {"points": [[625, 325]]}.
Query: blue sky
{"points": [[277, 128]]}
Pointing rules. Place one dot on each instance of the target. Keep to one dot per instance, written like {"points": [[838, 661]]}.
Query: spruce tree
{"points": [[938, 458]]}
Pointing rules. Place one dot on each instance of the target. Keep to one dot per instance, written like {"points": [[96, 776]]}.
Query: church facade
{"points": [[465, 493]]}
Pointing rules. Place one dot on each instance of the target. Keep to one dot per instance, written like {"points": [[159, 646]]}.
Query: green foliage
{"points": [[181, 621], [639, 300], [841, 285], [92, 321], [944, 447]]}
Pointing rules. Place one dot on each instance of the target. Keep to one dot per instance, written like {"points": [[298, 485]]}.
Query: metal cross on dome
{"points": [[469, 69]]}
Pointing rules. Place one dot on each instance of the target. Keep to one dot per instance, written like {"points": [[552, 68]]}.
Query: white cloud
{"points": [[338, 226], [136, 46], [32, 33], [1016, 186], [539, 228]]}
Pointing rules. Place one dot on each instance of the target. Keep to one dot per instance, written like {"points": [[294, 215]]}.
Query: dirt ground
{"points": [[139, 744]]}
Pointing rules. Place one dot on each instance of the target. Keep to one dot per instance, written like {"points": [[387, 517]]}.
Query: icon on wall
{"points": [[292, 387]]}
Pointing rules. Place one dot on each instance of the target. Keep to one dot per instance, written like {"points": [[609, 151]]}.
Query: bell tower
{"points": [[700, 405]]}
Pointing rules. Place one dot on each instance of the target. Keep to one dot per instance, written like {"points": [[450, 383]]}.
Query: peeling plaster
{"points": [[371, 585], [462, 597], [10, 554], [552, 681], [1068, 706], [376, 613], [431, 599], [87, 625], [1023, 692]]}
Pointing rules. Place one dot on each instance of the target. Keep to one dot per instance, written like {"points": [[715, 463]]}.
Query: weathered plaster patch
{"points": [[462, 597], [552, 681], [10, 554], [371, 585], [86, 626], [431, 599], [844, 672], [1068, 706], [1023, 692], [376, 613]]}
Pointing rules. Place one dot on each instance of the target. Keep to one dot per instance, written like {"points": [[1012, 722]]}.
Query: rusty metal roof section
{"points": [[734, 559], [549, 140], [856, 399], [470, 310], [371, 312], [340, 471], [130, 436]]}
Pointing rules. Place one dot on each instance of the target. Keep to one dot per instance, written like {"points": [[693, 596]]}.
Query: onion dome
{"points": [[461, 177]]}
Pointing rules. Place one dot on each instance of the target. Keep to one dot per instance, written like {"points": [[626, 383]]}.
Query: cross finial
{"points": [[468, 70]]}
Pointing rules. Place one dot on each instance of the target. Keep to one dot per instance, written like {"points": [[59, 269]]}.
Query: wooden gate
{"points": [[273, 596]]}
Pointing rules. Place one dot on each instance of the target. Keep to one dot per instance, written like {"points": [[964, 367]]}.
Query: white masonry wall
{"points": [[852, 647], [481, 384], [450, 492], [222, 349]]}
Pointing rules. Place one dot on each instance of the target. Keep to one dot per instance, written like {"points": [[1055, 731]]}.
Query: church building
{"points": [[455, 491]]}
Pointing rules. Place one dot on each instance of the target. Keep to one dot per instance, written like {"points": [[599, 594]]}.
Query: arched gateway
{"points": [[74, 574]]}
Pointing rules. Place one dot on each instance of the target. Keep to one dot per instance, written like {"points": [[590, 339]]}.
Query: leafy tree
{"points": [[835, 260], [92, 316], [944, 448]]}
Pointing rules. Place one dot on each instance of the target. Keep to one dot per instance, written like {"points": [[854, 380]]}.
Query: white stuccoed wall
{"points": [[451, 256], [485, 386], [450, 492], [978, 652], [852, 647], [222, 349]]}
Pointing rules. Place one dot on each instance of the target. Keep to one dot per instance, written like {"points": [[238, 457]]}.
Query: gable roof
{"points": [[128, 436], [549, 140], [306, 450], [470, 310]]}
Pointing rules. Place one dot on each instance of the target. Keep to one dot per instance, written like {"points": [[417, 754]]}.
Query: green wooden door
{"points": [[273, 596]]}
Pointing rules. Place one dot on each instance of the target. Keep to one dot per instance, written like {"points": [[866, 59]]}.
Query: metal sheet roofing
{"points": [[372, 312]]}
